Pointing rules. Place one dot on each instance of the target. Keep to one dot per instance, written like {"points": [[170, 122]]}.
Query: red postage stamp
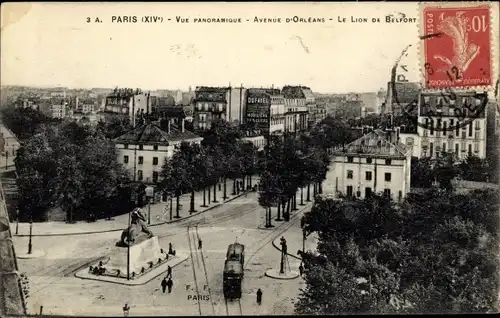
{"points": [[457, 46]]}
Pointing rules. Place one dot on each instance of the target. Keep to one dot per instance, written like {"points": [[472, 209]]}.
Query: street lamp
{"points": [[31, 230], [126, 310], [149, 196], [17, 221]]}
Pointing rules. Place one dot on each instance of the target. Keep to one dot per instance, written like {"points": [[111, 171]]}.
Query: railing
{"points": [[4, 307]]}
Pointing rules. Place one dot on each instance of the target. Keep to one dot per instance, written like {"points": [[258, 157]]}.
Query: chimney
{"points": [[182, 125]]}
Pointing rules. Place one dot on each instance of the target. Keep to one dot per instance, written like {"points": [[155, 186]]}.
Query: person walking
{"points": [[170, 283], [164, 284], [301, 269], [200, 243], [259, 296], [169, 272]]}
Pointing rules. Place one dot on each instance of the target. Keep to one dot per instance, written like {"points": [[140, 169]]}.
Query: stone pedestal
{"points": [[140, 256]]}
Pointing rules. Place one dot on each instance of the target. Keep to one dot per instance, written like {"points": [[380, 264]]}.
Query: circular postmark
{"points": [[464, 106]]}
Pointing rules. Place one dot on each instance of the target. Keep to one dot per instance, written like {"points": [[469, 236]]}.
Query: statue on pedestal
{"points": [[137, 231]]}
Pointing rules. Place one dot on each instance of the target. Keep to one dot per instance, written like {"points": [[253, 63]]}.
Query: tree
{"points": [[433, 253], [24, 122], [66, 166], [474, 168], [179, 174], [331, 132]]}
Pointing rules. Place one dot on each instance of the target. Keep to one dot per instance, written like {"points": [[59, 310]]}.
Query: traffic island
{"points": [[275, 273], [33, 254]]}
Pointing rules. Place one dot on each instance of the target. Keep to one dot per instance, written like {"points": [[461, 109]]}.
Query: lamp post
{"points": [[126, 310], [31, 231], [17, 221], [128, 252], [149, 196], [303, 241]]}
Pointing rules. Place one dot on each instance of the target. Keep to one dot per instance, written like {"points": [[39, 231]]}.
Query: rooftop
{"points": [[375, 143], [152, 134]]}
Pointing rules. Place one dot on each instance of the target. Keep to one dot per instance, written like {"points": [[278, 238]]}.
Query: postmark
{"points": [[461, 56], [445, 110]]}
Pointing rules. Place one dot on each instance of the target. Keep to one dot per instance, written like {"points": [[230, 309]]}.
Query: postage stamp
{"points": [[457, 46]]}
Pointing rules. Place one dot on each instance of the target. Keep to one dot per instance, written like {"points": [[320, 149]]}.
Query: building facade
{"points": [[265, 110], [143, 150], [296, 112], [212, 103], [127, 103], [54, 107], [86, 105], [374, 163], [451, 124]]}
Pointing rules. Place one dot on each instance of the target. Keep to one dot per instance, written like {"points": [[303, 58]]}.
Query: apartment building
{"points": [[375, 163], [296, 111], [453, 124], [127, 103], [143, 150], [265, 110], [211, 103]]}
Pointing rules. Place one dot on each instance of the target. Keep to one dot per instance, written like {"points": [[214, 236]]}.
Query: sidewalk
{"points": [[118, 223]]}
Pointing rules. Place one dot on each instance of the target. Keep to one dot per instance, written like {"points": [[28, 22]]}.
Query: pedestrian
{"points": [[164, 285], [170, 283], [170, 250], [259, 296], [301, 269], [200, 243], [169, 271]]}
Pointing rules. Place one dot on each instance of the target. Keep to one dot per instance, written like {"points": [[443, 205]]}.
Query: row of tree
{"points": [[436, 253], [222, 156], [287, 163]]}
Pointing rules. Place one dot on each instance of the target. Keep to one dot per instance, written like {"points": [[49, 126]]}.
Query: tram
{"points": [[233, 271]]}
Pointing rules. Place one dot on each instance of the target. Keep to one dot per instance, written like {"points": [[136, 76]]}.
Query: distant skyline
{"points": [[52, 45]]}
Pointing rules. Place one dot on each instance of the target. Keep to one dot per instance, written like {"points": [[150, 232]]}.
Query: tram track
{"points": [[199, 272], [239, 311]]}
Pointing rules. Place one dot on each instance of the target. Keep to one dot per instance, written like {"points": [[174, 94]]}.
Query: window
{"points": [[400, 195], [445, 124], [141, 160], [139, 175], [444, 147], [125, 159], [368, 175], [155, 176], [155, 147], [476, 147], [350, 159], [470, 129], [125, 146], [432, 127], [431, 149], [140, 147], [349, 191], [457, 148], [470, 149], [387, 192], [368, 160], [155, 161], [387, 176], [388, 162], [349, 174], [368, 192], [457, 128]]}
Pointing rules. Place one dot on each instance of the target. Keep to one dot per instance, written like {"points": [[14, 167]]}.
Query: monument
{"points": [[137, 253]]}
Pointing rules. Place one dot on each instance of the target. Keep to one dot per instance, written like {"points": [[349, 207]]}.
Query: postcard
{"points": [[212, 159]]}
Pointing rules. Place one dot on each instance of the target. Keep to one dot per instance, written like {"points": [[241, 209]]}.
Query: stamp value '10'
{"points": [[456, 46]]}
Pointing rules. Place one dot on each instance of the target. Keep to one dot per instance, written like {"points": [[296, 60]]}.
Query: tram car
{"points": [[233, 271], [236, 252]]}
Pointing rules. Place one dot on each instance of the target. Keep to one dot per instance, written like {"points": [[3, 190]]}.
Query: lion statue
{"points": [[134, 233]]}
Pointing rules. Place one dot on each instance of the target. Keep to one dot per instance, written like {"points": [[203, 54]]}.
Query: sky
{"points": [[51, 44]]}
